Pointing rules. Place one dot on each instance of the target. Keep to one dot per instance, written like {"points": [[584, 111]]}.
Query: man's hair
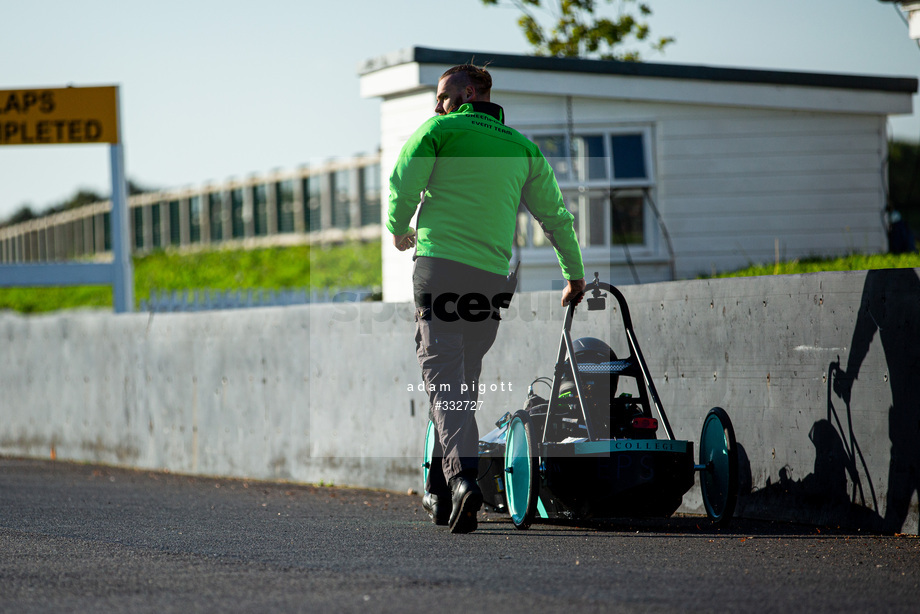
{"points": [[478, 77]]}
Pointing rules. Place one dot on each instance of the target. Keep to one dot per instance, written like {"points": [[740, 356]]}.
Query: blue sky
{"points": [[212, 90]]}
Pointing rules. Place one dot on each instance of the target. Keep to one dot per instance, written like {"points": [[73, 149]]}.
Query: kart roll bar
{"points": [[635, 359]]}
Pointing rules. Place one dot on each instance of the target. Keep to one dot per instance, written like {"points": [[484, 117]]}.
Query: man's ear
{"points": [[470, 92]]}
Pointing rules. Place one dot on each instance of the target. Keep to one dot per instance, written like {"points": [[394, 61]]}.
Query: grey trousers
{"points": [[450, 353]]}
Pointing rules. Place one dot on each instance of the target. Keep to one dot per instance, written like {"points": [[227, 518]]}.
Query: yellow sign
{"points": [[60, 115]]}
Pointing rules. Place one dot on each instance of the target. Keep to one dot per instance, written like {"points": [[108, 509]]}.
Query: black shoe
{"points": [[467, 499], [437, 510]]}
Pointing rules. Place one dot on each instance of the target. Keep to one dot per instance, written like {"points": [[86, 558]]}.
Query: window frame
{"points": [[646, 187]]}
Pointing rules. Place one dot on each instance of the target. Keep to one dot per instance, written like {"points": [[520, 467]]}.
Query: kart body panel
{"points": [[583, 479]]}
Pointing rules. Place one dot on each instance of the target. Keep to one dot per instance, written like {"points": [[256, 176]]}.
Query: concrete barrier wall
{"points": [[816, 371]]}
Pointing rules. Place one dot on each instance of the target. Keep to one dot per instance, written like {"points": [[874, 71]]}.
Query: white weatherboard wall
{"points": [[399, 118], [744, 170], [321, 393], [735, 186]]}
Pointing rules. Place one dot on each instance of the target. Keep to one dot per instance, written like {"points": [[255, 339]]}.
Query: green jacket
{"points": [[474, 172]]}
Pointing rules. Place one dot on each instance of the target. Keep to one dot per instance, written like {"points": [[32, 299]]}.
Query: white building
{"points": [[672, 171]]}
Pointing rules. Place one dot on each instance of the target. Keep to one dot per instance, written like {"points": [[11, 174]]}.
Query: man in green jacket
{"points": [[469, 173]]}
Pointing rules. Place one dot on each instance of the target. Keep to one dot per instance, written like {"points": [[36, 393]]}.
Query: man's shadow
{"points": [[840, 491], [890, 306]]}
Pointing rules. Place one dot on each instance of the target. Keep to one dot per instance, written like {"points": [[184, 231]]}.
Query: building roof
{"points": [[426, 55]]}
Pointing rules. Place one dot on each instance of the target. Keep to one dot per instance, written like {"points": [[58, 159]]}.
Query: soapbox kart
{"points": [[586, 452]]}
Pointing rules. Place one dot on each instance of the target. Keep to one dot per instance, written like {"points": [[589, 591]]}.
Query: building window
{"points": [[284, 199], [341, 198], [174, 225], [194, 221], [370, 205], [137, 214], [237, 223], [216, 216], [312, 210], [157, 230], [107, 231], [260, 209], [605, 177], [628, 157]]}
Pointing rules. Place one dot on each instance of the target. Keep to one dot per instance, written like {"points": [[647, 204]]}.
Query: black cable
{"points": [[664, 231], [542, 380], [618, 228]]}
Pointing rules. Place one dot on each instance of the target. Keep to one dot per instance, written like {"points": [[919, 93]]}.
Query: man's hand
{"points": [[573, 292], [406, 241]]}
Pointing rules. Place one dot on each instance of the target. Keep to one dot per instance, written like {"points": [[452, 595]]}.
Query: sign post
{"points": [[73, 115]]}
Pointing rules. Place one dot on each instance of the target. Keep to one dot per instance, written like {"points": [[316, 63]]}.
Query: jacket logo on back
{"points": [[491, 127]]}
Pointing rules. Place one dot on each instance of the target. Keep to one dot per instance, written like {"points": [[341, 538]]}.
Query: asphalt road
{"points": [[79, 538]]}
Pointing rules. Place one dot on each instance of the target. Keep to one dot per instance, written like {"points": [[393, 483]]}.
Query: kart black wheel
{"points": [[522, 478], [719, 459], [429, 450]]}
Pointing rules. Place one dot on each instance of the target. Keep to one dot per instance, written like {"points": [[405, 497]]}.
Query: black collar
{"points": [[489, 108]]}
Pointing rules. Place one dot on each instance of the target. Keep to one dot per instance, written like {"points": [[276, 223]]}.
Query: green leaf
{"points": [[571, 28]]}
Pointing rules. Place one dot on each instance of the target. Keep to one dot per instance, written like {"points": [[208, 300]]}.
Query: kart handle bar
{"points": [[596, 288]]}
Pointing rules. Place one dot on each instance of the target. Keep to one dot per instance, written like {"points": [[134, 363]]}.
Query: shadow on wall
{"points": [[840, 490]]}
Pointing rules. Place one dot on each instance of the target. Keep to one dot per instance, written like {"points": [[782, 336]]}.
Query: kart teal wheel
{"points": [[522, 478], [429, 450], [719, 461]]}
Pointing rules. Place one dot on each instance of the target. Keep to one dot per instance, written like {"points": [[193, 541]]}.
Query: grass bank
{"points": [[854, 262], [302, 266], [355, 264]]}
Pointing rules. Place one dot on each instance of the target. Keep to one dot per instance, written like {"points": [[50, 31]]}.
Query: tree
{"points": [[82, 197], [574, 31], [135, 188], [903, 183], [23, 214]]}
